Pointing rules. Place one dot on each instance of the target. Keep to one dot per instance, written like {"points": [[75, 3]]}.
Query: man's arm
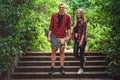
{"points": [[68, 29], [50, 28], [49, 34], [69, 33]]}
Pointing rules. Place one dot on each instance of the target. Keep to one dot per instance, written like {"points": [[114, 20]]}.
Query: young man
{"points": [[60, 23]]}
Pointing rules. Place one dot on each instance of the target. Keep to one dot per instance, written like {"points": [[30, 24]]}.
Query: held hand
{"points": [[49, 39], [76, 35], [80, 43], [67, 39]]}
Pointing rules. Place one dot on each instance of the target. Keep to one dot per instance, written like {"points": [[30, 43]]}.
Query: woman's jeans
{"points": [[81, 52]]}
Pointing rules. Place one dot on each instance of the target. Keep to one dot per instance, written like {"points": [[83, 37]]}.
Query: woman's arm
{"points": [[83, 34], [75, 30]]}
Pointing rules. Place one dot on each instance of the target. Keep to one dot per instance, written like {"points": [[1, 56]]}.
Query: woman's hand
{"points": [[80, 43], [76, 35]]}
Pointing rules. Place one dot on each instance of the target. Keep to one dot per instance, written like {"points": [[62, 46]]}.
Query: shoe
{"points": [[80, 71], [52, 70], [62, 71]]}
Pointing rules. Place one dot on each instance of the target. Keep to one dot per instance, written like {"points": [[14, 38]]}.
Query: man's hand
{"points": [[67, 39], [49, 39], [69, 36]]}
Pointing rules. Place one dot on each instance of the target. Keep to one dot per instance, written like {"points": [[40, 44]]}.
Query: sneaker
{"points": [[52, 70], [62, 71], [80, 71]]}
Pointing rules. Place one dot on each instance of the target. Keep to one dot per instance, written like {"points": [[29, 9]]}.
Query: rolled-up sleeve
{"points": [[51, 23], [84, 28], [68, 23]]}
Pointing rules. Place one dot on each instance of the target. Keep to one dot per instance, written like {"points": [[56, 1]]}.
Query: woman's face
{"points": [[79, 14]]}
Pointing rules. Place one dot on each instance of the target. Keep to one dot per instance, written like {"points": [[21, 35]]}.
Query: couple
{"points": [[60, 23]]}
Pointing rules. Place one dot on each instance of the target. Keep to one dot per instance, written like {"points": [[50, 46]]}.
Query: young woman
{"points": [[80, 38]]}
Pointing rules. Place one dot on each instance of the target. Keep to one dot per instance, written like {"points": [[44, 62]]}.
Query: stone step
{"points": [[36, 75], [34, 65], [68, 79], [67, 63], [32, 53], [67, 58], [57, 68]]}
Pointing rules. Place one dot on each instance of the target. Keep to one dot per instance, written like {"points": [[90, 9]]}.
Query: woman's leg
{"points": [[82, 49], [76, 48]]}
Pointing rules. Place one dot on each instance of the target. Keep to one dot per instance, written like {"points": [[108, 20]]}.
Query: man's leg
{"points": [[62, 55], [53, 56], [53, 59], [62, 58]]}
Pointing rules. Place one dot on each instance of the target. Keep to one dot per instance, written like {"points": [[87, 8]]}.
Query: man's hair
{"points": [[61, 4]]}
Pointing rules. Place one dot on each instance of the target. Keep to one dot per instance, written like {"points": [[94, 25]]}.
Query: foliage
{"points": [[109, 11], [103, 31], [95, 29], [9, 48], [22, 24]]}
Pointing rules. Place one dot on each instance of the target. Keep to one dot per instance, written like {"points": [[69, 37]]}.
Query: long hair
{"points": [[82, 17], [82, 14]]}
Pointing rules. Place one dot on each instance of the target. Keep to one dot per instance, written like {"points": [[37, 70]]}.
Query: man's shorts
{"points": [[62, 42]]}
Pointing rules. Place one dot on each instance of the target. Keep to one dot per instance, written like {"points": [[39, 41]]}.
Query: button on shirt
{"points": [[80, 28], [59, 30]]}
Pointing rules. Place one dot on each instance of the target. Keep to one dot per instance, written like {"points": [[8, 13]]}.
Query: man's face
{"points": [[61, 8]]}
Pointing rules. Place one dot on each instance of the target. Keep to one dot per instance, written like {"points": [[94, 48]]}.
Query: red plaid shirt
{"points": [[81, 30], [59, 32]]}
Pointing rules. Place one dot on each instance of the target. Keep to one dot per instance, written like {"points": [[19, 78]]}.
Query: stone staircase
{"points": [[35, 66]]}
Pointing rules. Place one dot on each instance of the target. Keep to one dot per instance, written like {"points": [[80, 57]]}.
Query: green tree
{"points": [[103, 31], [22, 24]]}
